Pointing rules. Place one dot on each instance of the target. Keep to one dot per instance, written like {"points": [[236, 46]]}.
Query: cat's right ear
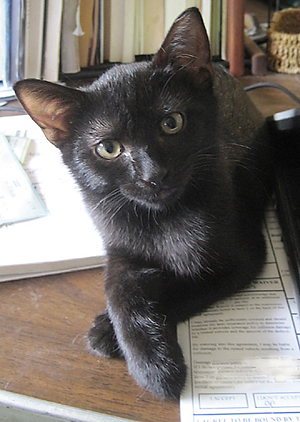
{"points": [[53, 107], [186, 46]]}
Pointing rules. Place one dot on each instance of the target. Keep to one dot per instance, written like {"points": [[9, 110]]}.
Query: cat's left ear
{"points": [[53, 107], [186, 45]]}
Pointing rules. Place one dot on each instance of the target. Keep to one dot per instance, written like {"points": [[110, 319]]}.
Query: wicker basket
{"points": [[284, 42]]}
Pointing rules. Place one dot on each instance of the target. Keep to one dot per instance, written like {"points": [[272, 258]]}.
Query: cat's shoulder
{"points": [[233, 101], [225, 84]]}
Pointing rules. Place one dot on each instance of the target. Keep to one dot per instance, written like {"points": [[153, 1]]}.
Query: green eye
{"points": [[172, 124], [109, 149]]}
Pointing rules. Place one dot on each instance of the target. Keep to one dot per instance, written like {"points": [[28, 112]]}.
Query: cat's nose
{"points": [[158, 182], [155, 186]]}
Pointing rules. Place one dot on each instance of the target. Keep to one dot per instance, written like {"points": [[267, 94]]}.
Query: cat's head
{"points": [[139, 129]]}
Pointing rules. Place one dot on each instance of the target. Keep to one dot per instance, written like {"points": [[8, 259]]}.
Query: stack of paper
{"points": [[63, 240]]}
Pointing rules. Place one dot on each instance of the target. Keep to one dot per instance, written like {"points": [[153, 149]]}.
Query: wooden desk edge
{"points": [[37, 410]]}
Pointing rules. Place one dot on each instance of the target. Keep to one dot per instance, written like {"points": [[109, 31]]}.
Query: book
{"points": [[16, 41], [116, 25], [72, 35], [2, 40], [34, 31], [128, 51], [95, 49], [139, 28], [215, 28], [65, 239], [70, 32], [224, 30], [153, 24], [52, 38], [119, 30], [6, 91], [85, 40]]}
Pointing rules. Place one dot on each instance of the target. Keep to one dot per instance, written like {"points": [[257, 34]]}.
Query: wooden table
{"points": [[43, 326], [44, 321]]}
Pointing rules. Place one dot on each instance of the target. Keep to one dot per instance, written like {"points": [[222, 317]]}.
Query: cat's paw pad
{"points": [[102, 340]]}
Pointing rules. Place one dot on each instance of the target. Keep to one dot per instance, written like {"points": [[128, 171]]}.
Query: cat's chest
{"points": [[179, 244]]}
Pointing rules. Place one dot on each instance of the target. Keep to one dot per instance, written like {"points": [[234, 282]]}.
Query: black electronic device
{"points": [[285, 133]]}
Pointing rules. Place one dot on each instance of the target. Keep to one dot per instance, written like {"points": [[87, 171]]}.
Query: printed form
{"points": [[243, 353]]}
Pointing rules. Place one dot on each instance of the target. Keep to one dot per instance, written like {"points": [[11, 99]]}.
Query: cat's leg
{"points": [[102, 339], [146, 336]]}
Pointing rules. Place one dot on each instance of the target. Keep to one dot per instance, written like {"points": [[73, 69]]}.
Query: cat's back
{"points": [[237, 115], [243, 137]]}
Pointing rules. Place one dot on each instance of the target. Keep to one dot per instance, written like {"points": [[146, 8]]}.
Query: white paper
{"points": [[18, 198], [243, 353], [66, 238], [20, 144]]}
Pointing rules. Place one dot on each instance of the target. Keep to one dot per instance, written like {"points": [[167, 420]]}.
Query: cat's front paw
{"points": [[160, 375], [102, 340]]}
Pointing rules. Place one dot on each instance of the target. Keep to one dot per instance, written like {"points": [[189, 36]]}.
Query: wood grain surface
{"points": [[43, 354]]}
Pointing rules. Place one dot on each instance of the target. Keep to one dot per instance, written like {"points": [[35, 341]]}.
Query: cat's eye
{"points": [[172, 124], [109, 149]]}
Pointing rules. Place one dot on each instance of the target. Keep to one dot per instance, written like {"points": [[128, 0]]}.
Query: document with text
{"points": [[243, 353]]}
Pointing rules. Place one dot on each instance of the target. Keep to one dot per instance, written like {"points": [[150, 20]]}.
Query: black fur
{"points": [[181, 214]]}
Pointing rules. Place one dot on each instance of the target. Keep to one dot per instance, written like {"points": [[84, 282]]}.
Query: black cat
{"points": [[174, 164]]}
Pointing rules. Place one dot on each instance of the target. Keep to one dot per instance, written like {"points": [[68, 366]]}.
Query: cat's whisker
{"points": [[114, 200], [239, 145], [155, 218], [108, 197], [118, 209], [135, 210], [116, 204], [149, 216]]}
